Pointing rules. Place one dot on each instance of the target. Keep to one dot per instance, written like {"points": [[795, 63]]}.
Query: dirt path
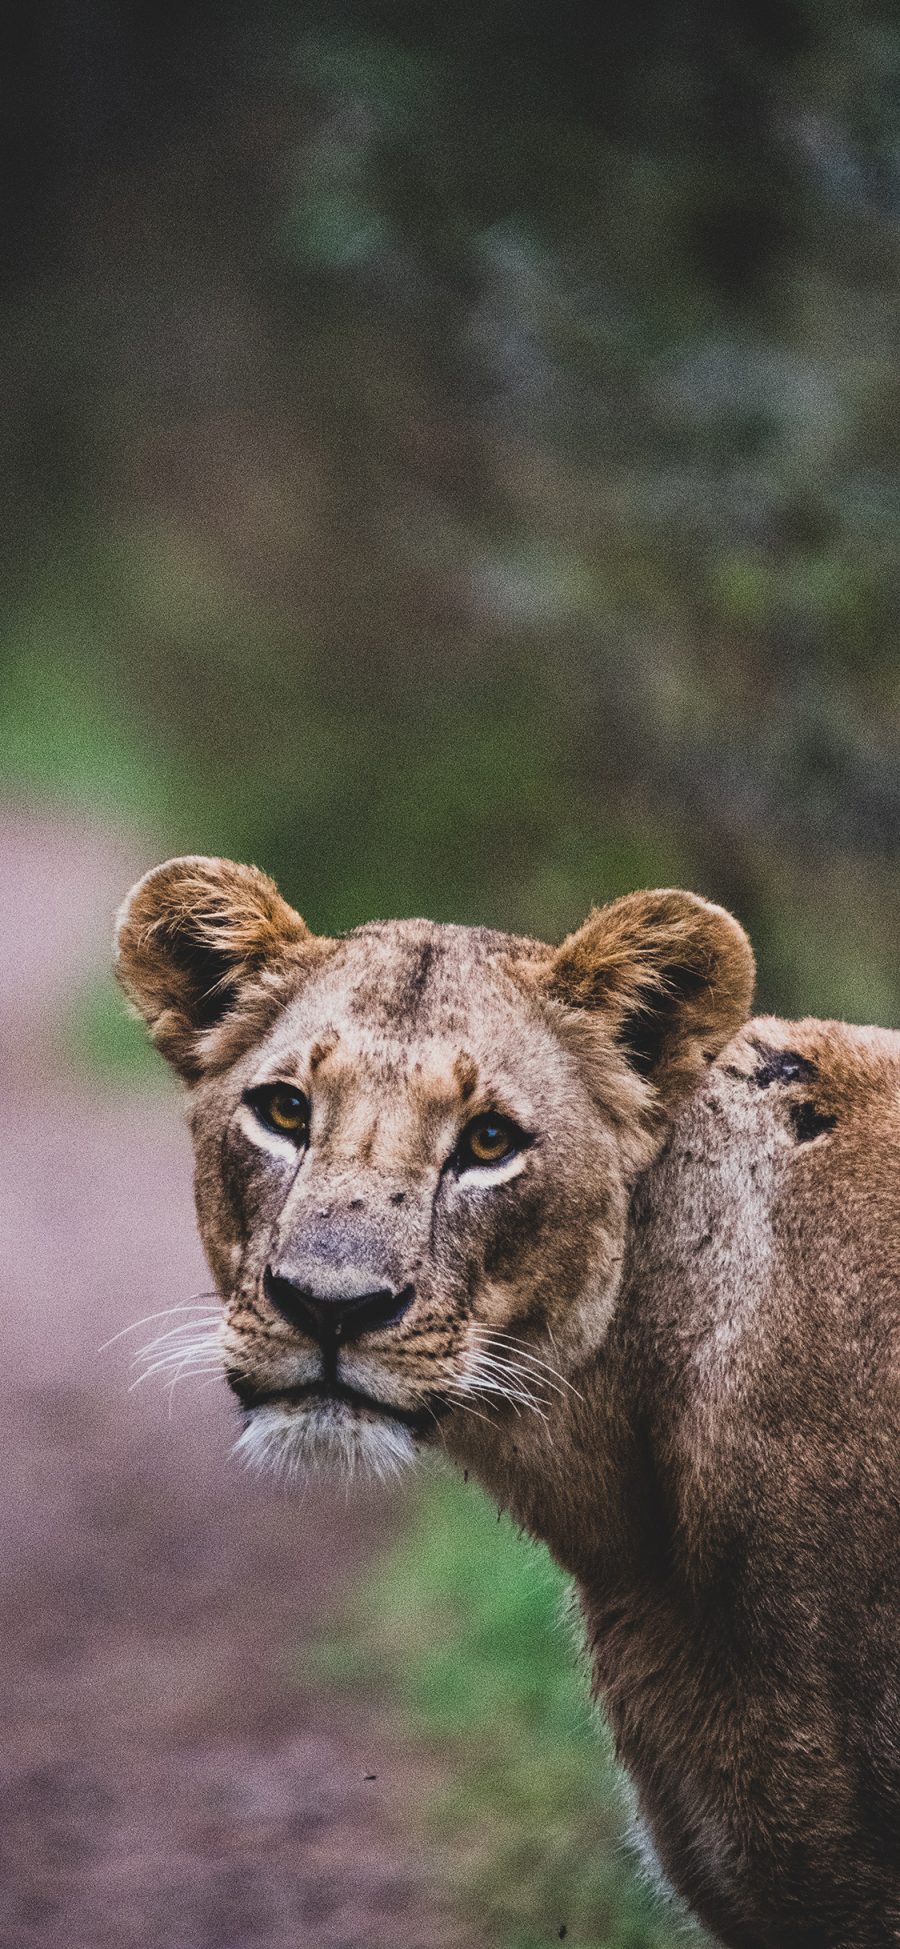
{"points": [[167, 1783]]}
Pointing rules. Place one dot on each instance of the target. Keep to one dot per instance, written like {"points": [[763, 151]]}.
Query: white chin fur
{"points": [[334, 1440]]}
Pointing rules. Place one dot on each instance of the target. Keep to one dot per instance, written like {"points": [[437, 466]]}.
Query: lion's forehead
{"points": [[403, 975], [427, 1010]]}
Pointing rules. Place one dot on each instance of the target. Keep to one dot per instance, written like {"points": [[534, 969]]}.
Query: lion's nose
{"points": [[341, 1315]]}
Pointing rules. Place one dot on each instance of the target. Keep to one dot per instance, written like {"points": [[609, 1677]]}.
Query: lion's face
{"points": [[416, 1145], [442, 1211]]}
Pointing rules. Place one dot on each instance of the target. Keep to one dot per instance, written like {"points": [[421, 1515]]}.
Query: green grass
{"points": [[464, 1629]]}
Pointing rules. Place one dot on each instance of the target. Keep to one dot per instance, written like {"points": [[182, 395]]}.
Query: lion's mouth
{"points": [[330, 1392]]}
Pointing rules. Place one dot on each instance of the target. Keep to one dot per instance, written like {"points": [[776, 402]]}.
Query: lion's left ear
{"points": [[672, 976]]}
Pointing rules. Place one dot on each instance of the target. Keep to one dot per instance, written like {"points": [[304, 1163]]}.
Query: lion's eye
{"points": [[284, 1109], [489, 1140]]}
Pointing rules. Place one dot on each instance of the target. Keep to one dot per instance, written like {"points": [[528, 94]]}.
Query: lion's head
{"points": [[416, 1144]]}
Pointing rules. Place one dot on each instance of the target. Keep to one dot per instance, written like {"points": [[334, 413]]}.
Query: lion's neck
{"points": [[571, 1476]]}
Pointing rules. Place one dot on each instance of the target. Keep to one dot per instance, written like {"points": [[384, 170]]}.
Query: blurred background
{"points": [[450, 456]]}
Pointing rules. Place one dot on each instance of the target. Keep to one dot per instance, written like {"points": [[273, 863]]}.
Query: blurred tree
{"points": [[457, 449]]}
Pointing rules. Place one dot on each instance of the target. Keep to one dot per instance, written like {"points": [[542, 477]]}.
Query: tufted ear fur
{"points": [[669, 972], [190, 935]]}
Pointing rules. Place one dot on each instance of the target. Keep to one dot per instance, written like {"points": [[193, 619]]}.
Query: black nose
{"points": [[346, 1316]]}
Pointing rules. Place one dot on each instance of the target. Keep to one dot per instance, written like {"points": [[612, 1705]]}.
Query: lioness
{"points": [[631, 1261]]}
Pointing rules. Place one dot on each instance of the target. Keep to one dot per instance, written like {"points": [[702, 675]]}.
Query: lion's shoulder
{"points": [[786, 1093], [770, 1224], [815, 1070]]}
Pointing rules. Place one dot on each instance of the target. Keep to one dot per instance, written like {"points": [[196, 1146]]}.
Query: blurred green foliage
{"points": [[452, 457], [463, 1630]]}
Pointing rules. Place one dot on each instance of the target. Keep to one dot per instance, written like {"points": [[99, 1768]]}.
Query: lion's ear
{"points": [[672, 976], [189, 936]]}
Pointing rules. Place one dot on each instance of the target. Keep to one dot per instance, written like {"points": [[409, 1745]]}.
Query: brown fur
{"points": [[691, 1275]]}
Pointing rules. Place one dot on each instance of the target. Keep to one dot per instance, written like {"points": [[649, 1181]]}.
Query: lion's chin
{"points": [[332, 1438]]}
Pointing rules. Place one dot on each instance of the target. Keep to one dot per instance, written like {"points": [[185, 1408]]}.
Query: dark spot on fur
{"points": [[411, 991], [356, 1204], [809, 1122], [322, 1049], [465, 1070], [397, 1197], [781, 1066]]}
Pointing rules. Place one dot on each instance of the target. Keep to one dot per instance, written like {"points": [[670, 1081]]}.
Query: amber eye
{"points": [[284, 1109], [489, 1140]]}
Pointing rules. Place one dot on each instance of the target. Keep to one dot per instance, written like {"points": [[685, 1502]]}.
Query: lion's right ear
{"points": [[190, 935]]}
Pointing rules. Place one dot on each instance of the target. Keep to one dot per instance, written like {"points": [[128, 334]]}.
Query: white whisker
{"points": [[172, 1356], [205, 1356], [487, 1375], [496, 1336], [206, 1337], [188, 1372], [483, 1360], [483, 1381], [483, 1393], [194, 1305], [176, 1334], [451, 1393], [501, 1363], [532, 1378], [515, 1340]]}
